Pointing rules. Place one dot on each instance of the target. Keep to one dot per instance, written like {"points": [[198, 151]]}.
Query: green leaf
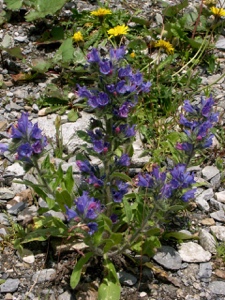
{"points": [[15, 51], [69, 180], [65, 52], [171, 11], [14, 4], [83, 135], [79, 56], [50, 202], [75, 277], [63, 198], [179, 236], [41, 65], [110, 287], [137, 44], [44, 8], [115, 239], [73, 116], [121, 176], [127, 210]]}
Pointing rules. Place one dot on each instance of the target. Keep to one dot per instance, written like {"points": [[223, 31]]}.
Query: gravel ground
{"points": [[190, 271]]}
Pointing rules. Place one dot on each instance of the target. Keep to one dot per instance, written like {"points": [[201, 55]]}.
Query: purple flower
{"points": [[83, 92], [124, 72], [24, 151], [103, 99], [23, 128], [84, 166], [124, 109], [93, 227], [145, 180], [121, 87], [114, 218], [117, 53], [106, 67], [93, 56], [70, 213], [208, 141], [188, 195], [136, 78], [93, 101], [100, 146], [145, 87], [166, 191], [37, 147], [203, 129], [124, 160], [122, 189], [3, 147], [130, 131], [110, 88], [207, 106], [95, 181], [187, 147], [180, 177], [87, 207], [188, 107]]}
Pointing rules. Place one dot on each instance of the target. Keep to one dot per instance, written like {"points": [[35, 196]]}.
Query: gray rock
{"points": [[207, 241], [21, 94], [209, 172], [220, 44], [20, 39], [217, 287], [202, 203], [192, 252], [127, 278], [44, 275], [205, 271], [218, 215], [66, 296], [219, 232], [207, 194], [220, 196], [216, 204], [56, 214], [3, 231], [216, 181], [16, 169], [15, 106], [27, 213], [15, 209], [168, 257], [3, 219], [9, 286], [6, 194]]}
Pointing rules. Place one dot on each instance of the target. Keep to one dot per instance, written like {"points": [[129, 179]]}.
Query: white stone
{"points": [[219, 232], [27, 256], [15, 168], [220, 196], [207, 241], [209, 172], [192, 252]]}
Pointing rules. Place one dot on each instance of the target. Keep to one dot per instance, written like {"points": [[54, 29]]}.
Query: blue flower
{"points": [[124, 160], [120, 191], [93, 227], [3, 147], [84, 166], [106, 67], [188, 195], [24, 151], [125, 71], [93, 56], [87, 207], [180, 177], [70, 213], [117, 53]]}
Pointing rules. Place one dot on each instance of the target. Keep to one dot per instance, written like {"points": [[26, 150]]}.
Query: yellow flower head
{"points": [[118, 30], [219, 12], [165, 45], [132, 55], [78, 37], [101, 12]]}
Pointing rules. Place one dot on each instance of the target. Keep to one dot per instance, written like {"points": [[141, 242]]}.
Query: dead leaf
{"points": [[220, 273]]}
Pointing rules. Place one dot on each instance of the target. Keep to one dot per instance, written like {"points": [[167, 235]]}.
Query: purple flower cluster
{"points": [[27, 139], [118, 87], [197, 123], [163, 188], [86, 209]]}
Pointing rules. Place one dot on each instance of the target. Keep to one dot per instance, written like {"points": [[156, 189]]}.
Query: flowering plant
{"points": [[111, 211]]}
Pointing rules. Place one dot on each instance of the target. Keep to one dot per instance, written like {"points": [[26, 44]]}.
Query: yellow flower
{"points": [[118, 30], [219, 12], [78, 37], [132, 55], [101, 12], [165, 45]]}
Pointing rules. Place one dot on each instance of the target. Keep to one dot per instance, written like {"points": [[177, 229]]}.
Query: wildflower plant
{"points": [[111, 212]]}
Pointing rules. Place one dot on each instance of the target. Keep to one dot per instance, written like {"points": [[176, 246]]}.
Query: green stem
{"points": [[43, 180]]}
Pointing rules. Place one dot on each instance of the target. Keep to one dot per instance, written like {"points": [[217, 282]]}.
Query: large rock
{"points": [[192, 252]]}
